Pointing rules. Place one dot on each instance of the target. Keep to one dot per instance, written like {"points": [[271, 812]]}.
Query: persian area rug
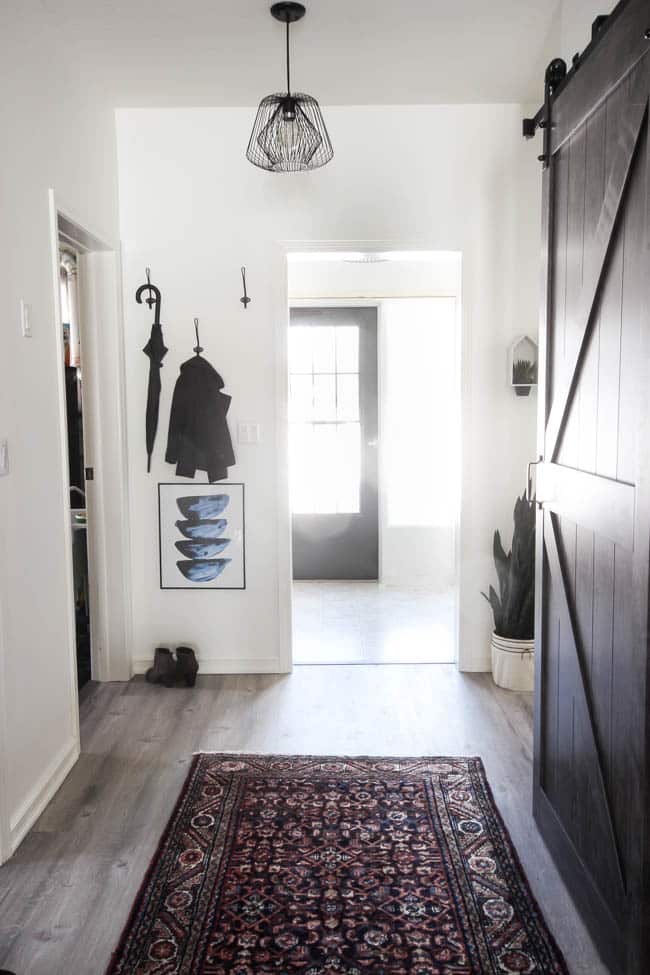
{"points": [[273, 865]]}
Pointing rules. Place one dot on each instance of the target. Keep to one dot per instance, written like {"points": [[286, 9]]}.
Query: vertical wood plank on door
{"points": [[550, 691], [558, 279], [586, 402], [635, 275], [552, 660], [608, 311], [628, 676], [614, 571], [610, 314], [575, 242], [601, 674], [594, 194], [567, 794], [569, 729]]}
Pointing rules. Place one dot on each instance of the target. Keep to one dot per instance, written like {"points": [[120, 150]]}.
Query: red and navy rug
{"points": [[274, 865]]}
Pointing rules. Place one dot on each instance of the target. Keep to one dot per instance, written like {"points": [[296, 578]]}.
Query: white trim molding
{"points": [[42, 793], [225, 665], [325, 250], [5, 834], [101, 316]]}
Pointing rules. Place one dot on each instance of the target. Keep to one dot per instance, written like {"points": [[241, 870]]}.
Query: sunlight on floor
{"points": [[365, 623]]}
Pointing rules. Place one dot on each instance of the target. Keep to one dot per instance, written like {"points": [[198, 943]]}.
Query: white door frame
{"points": [[103, 321], [100, 314], [6, 848], [281, 305]]}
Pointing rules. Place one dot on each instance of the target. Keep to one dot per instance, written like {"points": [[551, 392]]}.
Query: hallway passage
{"points": [[367, 623]]}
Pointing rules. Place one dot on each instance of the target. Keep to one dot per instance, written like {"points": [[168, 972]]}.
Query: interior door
{"points": [[333, 442], [593, 540]]}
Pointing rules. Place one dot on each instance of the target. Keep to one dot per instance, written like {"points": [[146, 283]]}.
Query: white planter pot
{"points": [[513, 663]]}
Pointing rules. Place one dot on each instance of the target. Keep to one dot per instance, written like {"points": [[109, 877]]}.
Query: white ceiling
{"points": [[230, 52]]}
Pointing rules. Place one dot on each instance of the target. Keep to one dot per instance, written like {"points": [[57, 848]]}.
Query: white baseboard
{"points": [[221, 665], [42, 793], [476, 665]]}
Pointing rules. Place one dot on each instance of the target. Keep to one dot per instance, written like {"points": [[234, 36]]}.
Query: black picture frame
{"points": [[184, 491]]}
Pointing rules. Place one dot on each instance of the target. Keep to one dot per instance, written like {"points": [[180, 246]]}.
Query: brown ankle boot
{"points": [[187, 666], [164, 668]]}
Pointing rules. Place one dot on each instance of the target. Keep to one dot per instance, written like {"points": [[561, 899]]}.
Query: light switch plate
{"points": [[248, 433], [4, 457], [25, 319]]}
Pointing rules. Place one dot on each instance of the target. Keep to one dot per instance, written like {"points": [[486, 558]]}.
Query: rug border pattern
{"points": [[312, 766]]}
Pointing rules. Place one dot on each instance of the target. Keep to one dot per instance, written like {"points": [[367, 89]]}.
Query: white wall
{"points": [[420, 439], [569, 33], [55, 134], [400, 276], [443, 178], [576, 18], [421, 555]]}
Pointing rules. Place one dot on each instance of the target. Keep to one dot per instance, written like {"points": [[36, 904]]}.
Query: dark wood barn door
{"points": [[590, 792]]}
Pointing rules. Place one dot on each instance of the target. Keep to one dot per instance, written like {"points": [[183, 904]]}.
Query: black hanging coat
{"points": [[199, 438]]}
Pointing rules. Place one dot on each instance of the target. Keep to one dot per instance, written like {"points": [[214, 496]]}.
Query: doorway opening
{"points": [[374, 448], [74, 400], [88, 345]]}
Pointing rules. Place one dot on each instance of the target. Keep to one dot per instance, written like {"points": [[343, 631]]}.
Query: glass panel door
{"points": [[325, 428], [332, 438]]}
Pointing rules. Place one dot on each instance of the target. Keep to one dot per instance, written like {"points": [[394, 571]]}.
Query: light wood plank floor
{"points": [[368, 623], [66, 893]]}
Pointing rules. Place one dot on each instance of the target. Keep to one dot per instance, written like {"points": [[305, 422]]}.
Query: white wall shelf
{"points": [[522, 365]]}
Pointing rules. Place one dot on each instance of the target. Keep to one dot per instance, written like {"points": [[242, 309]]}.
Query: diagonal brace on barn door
{"points": [[584, 696], [631, 128]]}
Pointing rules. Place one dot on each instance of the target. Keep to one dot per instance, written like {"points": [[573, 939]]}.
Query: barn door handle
{"points": [[530, 497]]}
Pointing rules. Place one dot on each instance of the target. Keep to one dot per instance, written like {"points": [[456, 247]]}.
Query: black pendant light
{"points": [[289, 134]]}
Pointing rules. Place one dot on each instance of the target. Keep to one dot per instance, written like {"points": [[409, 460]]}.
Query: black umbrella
{"points": [[156, 350]]}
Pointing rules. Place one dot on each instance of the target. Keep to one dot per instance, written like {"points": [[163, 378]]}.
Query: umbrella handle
{"points": [[155, 297]]}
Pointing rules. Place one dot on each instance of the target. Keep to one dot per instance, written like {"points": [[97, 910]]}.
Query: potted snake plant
{"points": [[513, 607]]}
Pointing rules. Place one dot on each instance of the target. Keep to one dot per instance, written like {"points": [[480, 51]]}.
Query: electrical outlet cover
{"points": [[4, 458], [25, 319]]}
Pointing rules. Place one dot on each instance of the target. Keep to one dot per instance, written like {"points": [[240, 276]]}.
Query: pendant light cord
{"points": [[288, 62]]}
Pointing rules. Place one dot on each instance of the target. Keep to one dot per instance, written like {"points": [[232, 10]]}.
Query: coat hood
{"points": [[200, 365]]}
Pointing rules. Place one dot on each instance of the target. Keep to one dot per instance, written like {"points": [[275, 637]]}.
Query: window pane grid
{"points": [[325, 429]]}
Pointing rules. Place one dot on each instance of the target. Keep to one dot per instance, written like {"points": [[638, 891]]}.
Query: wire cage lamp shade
{"points": [[289, 134]]}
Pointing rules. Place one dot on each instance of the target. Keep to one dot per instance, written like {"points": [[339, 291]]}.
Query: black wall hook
{"points": [[155, 297], [197, 348], [245, 300]]}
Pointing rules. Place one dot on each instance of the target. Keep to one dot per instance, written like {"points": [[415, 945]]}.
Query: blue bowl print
{"points": [[202, 530], [203, 570], [203, 506], [202, 549]]}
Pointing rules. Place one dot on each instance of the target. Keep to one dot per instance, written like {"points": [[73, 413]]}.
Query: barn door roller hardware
{"points": [[555, 75]]}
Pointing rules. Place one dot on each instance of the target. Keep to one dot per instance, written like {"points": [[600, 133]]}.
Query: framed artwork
{"points": [[201, 533]]}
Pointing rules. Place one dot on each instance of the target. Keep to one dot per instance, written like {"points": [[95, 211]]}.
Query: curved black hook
{"points": [[155, 297], [245, 300]]}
